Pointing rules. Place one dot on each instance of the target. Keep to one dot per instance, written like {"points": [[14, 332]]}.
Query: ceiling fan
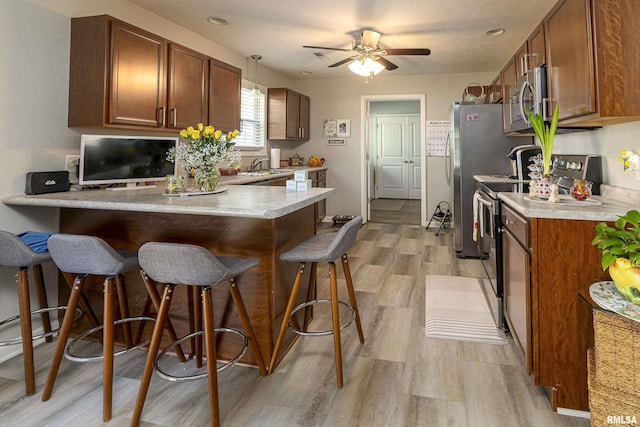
{"points": [[366, 46]]}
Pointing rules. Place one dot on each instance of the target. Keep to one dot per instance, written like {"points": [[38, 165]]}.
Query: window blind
{"points": [[251, 121]]}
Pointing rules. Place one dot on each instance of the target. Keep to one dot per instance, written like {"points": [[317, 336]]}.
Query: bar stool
{"points": [[84, 256], [15, 253], [174, 264], [323, 248]]}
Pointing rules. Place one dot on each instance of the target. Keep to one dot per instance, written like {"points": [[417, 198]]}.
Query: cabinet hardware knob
{"points": [[162, 116], [174, 121]]}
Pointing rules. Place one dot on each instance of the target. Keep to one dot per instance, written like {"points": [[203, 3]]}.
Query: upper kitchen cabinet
{"points": [[124, 77], [186, 87], [288, 115], [592, 51], [532, 53], [117, 75], [508, 77], [225, 84]]}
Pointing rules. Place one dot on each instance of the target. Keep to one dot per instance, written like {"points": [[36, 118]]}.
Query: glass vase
{"points": [[207, 177], [581, 189]]}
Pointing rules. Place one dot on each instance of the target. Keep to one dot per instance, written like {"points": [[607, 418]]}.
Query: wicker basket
{"points": [[606, 402], [617, 352]]}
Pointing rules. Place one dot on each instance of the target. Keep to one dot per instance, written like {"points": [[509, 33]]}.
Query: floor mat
{"points": [[456, 310]]}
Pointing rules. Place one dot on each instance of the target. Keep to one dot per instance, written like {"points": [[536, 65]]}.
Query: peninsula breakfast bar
{"points": [[245, 221]]}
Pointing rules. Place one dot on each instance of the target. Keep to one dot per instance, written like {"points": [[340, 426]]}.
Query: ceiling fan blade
{"points": [[390, 66], [344, 61], [328, 48], [370, 39], [415, 51]]}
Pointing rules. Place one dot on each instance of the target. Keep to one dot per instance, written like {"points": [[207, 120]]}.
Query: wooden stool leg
{"points": [[246, 324], [84, 303], [154, 296], [352, 295], [107, 348], [197, 323], [124, 309], [145, 312], [336, 321], [42, 300], [26, 330], [67, 322], [152, 353], [212, 369], [308, 310], [285, 319]]}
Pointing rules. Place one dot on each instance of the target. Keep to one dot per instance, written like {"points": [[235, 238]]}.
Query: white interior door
{"points": [[398, 156]]}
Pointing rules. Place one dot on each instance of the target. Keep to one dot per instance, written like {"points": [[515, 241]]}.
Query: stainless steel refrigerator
{"points": [[476, 146]]}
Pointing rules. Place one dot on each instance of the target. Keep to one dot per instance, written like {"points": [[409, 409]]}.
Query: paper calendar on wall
{"points": [[437, 131]]}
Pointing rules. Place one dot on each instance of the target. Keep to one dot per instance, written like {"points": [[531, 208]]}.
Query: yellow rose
{"points": [[235, 133], [190, 131], [183, 133], [229, 136], [217, 134], [195, 134], [623, 153], [208, 132], [200, 127]]}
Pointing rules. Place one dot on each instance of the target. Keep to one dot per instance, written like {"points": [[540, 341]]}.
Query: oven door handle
{"points": [[489, 206]]}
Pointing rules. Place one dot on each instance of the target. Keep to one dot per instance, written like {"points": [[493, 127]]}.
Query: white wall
{"points": [[341, 98]]}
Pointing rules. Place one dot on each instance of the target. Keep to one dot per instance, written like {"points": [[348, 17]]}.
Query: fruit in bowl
{"points": [[315, 161], [620, 246]]}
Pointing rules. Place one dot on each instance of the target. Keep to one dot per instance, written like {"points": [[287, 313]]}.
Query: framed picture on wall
{"points": [[343, 128], [330, 128], [336, 141]]}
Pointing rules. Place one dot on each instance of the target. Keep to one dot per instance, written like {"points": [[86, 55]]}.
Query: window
{"points": [[252, 124]]}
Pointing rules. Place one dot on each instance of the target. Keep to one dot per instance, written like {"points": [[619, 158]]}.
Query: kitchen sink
{"points": [[281, 170], [256, 173]]}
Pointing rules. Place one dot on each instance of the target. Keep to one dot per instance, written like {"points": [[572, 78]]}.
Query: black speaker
{"points": [[47, 182]]}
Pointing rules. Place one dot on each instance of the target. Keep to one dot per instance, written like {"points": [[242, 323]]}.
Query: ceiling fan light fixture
{"points": [[366, 67], [216, 20]]}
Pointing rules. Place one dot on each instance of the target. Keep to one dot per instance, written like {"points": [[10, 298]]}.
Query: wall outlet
{"points": [[72, 164]]}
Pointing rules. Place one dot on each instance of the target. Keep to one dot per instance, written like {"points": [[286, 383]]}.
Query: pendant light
{"points": [[256, 92]]}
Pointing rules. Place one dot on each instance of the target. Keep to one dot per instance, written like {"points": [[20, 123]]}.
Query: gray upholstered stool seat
{"points": [[15, 253], [322, 248], [82, 256], [181, 264]]}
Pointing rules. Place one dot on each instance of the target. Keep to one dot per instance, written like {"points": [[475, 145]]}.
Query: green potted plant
{"points": [[545, 132], [620, 246]]}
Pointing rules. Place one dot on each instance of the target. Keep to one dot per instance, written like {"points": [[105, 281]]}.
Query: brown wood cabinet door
{"points": [[570, 58], [496, 90], [225, 84], [187, 87], [517, 296], [537, 49], [304, 120], [508, 81], [138, 85], [521, 61], [293, 115]]}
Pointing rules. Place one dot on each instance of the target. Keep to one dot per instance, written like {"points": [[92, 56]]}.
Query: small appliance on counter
{"points": [[521, 157], [296, 160]]}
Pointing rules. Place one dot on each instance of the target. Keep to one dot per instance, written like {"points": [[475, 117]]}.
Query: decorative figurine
{"points": [[533, 188], [554, 197]]}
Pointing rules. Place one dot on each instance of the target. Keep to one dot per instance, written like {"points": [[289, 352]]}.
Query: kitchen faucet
{"points": [[257, 162]]}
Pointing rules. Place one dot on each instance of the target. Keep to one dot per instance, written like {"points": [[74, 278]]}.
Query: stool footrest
{"points": [[231, 362], [318, 333], [67, 350], [39, 336]]}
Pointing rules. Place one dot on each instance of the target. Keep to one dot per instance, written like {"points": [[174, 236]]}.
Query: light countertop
{"points": [[237, 200], [498, 178], [608, 210], [250, 179]]}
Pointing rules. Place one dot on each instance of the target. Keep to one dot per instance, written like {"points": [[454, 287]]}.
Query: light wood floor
{"points": [[396, 378], [395, 211]]}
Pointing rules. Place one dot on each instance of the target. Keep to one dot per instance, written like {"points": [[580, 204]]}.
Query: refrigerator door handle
{"points": [[447, 159]]}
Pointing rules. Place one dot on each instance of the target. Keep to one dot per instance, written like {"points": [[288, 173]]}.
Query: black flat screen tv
{"points": [[110, 159]]}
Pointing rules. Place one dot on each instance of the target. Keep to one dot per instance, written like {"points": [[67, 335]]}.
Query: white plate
{"points": [[195, 192], [607, 296], [567, 200]]}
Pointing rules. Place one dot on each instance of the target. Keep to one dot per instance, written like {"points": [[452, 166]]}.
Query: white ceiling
{"points": [[454, 30]]}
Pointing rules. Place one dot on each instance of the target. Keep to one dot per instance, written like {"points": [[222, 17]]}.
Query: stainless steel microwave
{"points": [[529, 93]]}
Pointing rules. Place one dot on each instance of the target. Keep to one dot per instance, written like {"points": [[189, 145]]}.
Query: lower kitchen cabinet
{"points": [[319, 179], [562, 261]]}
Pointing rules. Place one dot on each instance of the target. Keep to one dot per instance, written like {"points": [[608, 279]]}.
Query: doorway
{"points": [[392, 152]]}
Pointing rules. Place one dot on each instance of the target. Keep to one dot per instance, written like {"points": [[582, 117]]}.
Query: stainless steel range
{"points": [[565, 168]]}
